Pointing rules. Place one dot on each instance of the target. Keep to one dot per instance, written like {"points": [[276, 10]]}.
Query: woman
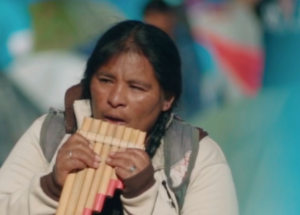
{"points": [[132, 78]]}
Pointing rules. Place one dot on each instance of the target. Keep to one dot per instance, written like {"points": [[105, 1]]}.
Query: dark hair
{"points": [[157, 47], [156, 6]]}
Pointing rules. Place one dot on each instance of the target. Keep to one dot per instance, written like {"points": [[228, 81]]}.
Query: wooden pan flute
{"points": [[85, 191]]}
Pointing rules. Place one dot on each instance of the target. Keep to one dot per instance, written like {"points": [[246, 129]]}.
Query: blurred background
{"points": [[241, 76]]}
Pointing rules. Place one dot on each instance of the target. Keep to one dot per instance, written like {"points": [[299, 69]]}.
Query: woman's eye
{"points": [[104, 80], [137, 88]]}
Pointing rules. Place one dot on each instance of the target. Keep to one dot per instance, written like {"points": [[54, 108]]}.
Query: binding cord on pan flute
{"points": [[85, 191]]}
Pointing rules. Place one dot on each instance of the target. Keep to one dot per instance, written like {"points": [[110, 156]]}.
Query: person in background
{"points": [[161, 15], [229, 39]]}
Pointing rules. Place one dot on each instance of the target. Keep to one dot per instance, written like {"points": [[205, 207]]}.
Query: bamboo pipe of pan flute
{"points": [[99, 201], [110, 190], [67, 188], [99, 172], [101, 196], [80, 175], [91, 171], [114, 181], [139, 144]]}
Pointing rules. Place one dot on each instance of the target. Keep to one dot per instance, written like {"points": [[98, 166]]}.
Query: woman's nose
{"points": [[117, 97]]}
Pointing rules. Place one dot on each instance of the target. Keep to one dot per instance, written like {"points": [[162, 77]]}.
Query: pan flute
{"points": [[85, 191]]}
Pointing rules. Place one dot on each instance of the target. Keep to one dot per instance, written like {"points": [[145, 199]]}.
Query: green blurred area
{"points": [[67, 24]]}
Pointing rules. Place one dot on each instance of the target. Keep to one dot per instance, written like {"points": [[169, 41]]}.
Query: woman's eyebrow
{"points": [[106, 74]]}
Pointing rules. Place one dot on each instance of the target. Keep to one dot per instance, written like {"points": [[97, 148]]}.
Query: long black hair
{"points": [[157, 47]]}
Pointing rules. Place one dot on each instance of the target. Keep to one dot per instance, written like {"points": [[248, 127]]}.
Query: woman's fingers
{"points": [[134, 154], [74, 164], [85, 153], [80, 138], [77, 147], [124, 168], [123, 173], [128, 163], [140, 153], [76, 154], [125, 160], [89, 158], [123, 163]]}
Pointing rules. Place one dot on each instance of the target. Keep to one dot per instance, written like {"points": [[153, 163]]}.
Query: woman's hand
{"points": [[76, 154], [134, 168]]}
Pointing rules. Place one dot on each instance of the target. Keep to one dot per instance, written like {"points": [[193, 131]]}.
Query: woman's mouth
{"points": [[114, 119]]}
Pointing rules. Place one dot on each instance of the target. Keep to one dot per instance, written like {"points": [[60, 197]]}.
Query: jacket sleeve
{"points": [[20, 190], [211, 190]]}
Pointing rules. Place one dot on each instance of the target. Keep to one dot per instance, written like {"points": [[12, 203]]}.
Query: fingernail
{"points": [[98, 158], [108, 159], [96, 164], [112, 153]]}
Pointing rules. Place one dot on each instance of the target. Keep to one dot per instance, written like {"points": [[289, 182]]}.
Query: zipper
{"points": [[164, 183]]}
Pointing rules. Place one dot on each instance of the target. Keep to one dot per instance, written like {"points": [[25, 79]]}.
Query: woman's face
{"points": [[126, 91]]}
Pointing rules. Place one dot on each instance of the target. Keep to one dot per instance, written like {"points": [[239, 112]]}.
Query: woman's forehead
{"points": [[130, 64]]}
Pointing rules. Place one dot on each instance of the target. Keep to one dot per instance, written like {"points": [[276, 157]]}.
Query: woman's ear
{"points": [[168, 102]]}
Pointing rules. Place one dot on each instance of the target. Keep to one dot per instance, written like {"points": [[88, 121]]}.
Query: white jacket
{"points": [[211, 190]]}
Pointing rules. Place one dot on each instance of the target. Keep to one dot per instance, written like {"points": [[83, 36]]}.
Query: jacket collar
{"points": [[82, 109]]}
